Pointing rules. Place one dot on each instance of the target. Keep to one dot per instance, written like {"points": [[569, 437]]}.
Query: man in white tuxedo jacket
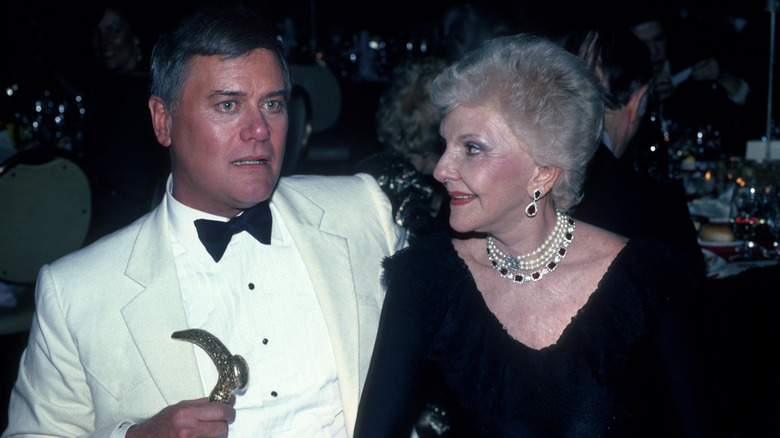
{"points": [[302, 310]]}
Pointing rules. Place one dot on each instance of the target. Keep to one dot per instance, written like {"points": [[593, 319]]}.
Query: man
{"points": [[617, 197], [302, 311], [696, 84], [652, 33], [622, 200]]}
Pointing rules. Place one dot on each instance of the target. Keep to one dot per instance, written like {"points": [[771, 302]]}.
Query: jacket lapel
{"points": [[327, 259], [157, 311]]}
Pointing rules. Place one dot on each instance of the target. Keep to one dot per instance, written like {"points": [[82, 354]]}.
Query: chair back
{"points": [[45, 210], [323, 89], [299, 129]]}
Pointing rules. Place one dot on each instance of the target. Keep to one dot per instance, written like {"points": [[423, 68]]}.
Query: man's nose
{"points": [[256, 128]]}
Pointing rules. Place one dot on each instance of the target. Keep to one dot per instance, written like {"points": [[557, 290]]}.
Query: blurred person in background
{"points": [[467, 26], [617, 197], [696, 84], [126, 165], [408, 128]]}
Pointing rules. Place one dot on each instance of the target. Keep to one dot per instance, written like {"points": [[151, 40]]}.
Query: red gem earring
{"points": [[532, 209]]}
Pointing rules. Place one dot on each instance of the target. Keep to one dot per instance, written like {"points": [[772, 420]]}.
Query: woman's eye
{"points": [[472, 149], [227, 106]]}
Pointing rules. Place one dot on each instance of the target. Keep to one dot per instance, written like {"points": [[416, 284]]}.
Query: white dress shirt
{"points": [[259, 301]]}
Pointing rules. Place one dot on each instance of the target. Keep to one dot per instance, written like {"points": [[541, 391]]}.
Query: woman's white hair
{"points": [[547, 96]]}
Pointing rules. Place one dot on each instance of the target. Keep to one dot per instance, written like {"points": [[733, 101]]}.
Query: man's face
{"points": [[652, 34], [228, 132]]}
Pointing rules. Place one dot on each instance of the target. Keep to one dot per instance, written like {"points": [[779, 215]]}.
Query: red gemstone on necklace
{"points": [[562, 251], [536, 275], [518, 278], [551, 266], [502, 271]]}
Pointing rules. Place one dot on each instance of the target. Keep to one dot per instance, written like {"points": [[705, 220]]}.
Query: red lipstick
{"points": [[460, 198]]}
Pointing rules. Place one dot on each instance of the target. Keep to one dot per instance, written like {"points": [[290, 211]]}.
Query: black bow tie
{"points": [[216, 235]]}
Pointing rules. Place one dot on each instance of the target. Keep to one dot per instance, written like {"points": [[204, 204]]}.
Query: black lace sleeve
{"points": [[390, 401]]}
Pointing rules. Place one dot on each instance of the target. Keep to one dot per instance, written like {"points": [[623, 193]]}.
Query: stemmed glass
{"points": [[749, 209]]}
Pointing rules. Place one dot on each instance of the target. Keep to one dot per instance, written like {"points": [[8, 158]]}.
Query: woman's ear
{"points": [[161, 120], [544, 178]]}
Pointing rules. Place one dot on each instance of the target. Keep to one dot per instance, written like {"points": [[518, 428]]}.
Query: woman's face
{"points": [[486, 169], [114, 43]]}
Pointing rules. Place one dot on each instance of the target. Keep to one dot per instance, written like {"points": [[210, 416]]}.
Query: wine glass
{"points": [[749, 208]]}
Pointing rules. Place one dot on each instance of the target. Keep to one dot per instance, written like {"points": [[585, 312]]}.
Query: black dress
{"points": [[621, 368]]}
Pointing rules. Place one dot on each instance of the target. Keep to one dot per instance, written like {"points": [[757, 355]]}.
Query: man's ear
{"points": [[161, 120], [637, 105], [544, 178]]}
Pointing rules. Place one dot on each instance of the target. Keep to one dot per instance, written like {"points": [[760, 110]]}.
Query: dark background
{"points": [[57, 36]]}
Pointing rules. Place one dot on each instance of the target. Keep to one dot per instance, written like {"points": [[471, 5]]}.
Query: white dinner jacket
{"points": [[101, 334]]}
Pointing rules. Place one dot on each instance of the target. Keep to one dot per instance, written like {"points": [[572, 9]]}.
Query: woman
{"points": [[126, 164], [115, 43], [407, 127], [539, 326]]}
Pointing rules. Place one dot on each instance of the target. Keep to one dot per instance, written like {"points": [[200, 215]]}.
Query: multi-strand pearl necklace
{"points": [[539, 262]]}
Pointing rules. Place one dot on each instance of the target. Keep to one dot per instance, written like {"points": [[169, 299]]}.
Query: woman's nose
{"points": [[444, 170]]}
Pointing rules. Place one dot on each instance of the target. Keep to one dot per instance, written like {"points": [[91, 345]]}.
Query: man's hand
{"points": [[188, 418], [663, 85], [706, 70], [709, 69]]}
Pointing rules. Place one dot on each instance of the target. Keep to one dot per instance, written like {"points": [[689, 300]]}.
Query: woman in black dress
{"points": [[536, 325]]}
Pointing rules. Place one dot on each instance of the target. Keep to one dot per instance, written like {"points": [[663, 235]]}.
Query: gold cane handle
{"points": [[233, 369]]}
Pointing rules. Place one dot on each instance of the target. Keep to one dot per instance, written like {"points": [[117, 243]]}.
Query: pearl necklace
{"points": [[547, 256]]}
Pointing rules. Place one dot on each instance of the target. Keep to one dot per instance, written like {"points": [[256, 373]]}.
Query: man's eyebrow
{"points": [[229, 93], [226, 93], [277, 93]]}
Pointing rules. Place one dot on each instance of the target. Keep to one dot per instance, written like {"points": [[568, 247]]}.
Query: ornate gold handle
{"points": [[233, 369]]}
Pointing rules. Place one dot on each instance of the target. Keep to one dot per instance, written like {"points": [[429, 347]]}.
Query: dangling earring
{"points": [[532, 209]]}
